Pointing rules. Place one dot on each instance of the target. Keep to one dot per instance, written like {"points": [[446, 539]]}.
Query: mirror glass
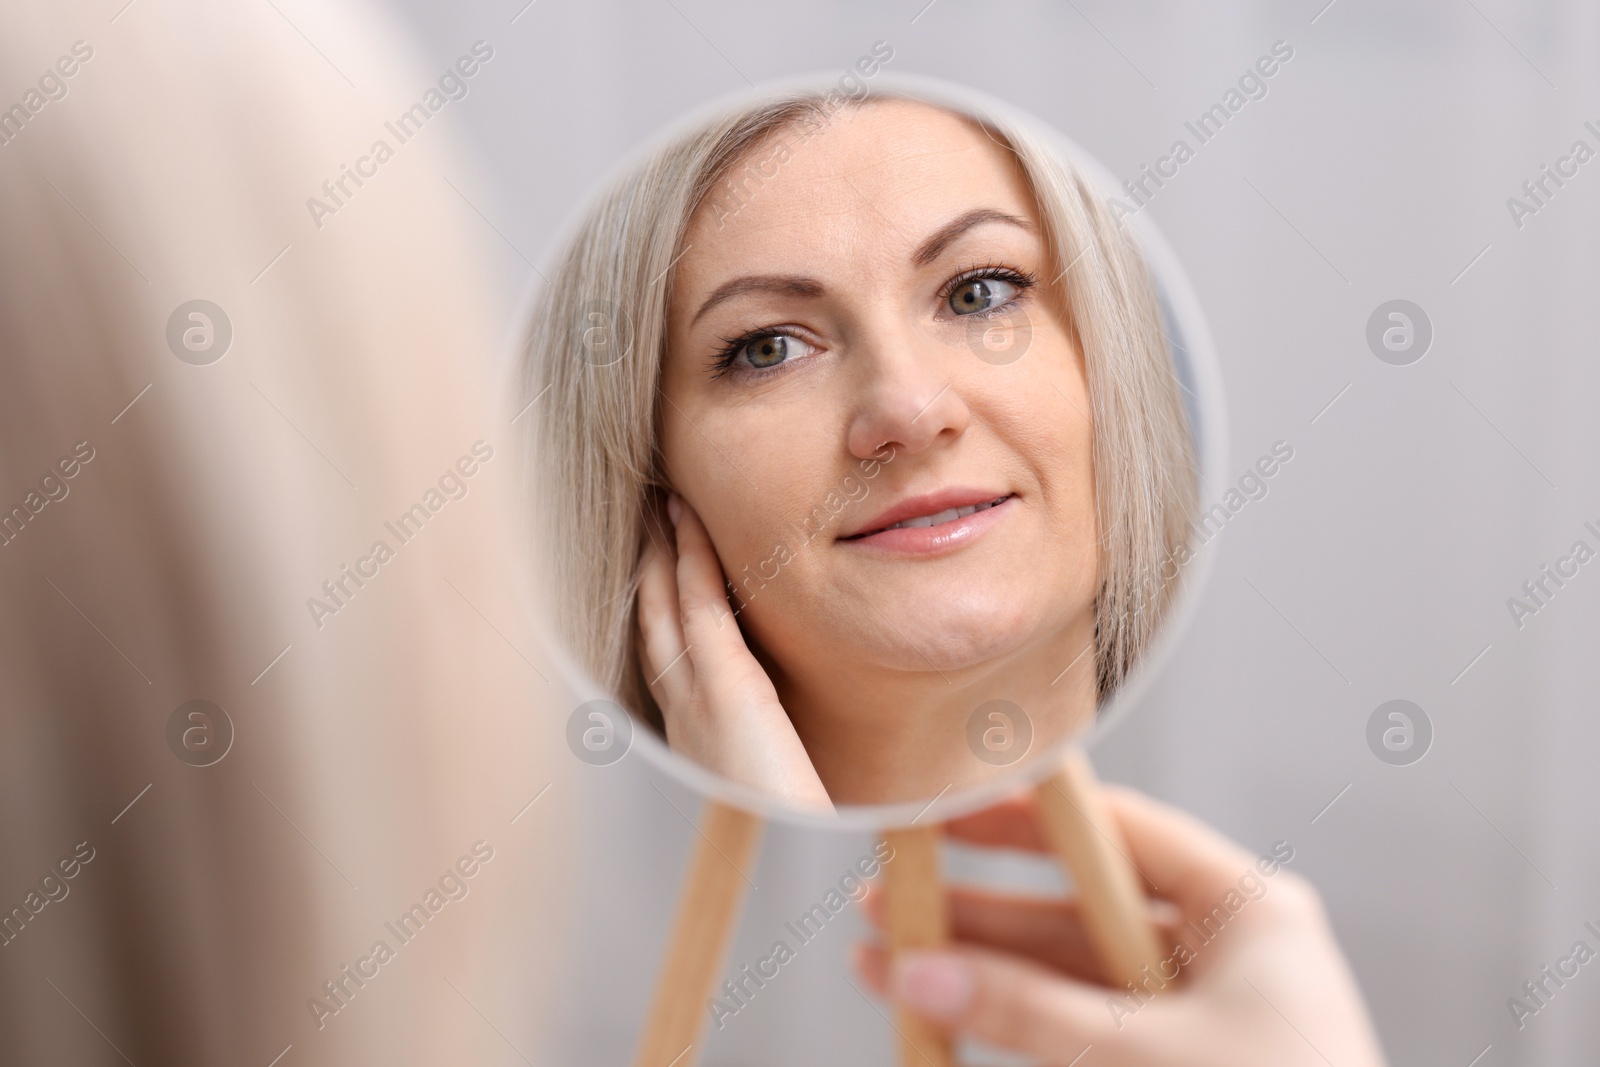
{"points": [[867, 424]]}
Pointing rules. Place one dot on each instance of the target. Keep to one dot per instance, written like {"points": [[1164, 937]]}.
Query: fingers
{"points": [[1012, 823], [724, 666], [701, 584], [721, 709], [1000, 999], [1047, 930], [871, 963], [1194, 866], [1191, 864], [667, 669], [1050, 932], [677, 585], [708, 623]]}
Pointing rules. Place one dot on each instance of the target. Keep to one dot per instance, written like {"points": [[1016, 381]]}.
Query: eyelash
{"points": [[722, 361], [1023, 280]]}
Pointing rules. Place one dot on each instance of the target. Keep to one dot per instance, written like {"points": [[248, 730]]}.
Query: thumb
{"points": [[1004, 1000]]}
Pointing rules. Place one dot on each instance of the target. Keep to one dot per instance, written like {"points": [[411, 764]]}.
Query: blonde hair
{"points": [[205, 506], [596, 343]]}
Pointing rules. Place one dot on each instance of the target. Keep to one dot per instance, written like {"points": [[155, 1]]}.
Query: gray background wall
{"points": [[1378, 167]]}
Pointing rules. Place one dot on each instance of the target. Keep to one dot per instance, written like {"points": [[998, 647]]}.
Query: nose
{"points": [[908, 396]]}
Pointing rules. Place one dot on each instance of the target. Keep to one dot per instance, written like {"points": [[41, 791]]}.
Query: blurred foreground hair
{"points": [[177, 519]]}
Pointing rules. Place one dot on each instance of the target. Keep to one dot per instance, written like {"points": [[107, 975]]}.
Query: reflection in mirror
{"points": [[860, 451]]}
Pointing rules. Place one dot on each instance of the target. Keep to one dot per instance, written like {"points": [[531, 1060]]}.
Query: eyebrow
{"points": [[941, 238], [798, 285], [785, 284]]}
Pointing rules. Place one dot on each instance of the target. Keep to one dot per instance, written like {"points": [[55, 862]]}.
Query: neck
{"points": [[879, 736]]}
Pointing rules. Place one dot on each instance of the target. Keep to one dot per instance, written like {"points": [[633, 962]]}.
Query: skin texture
{"points": [[877, 659], [1271, 989]]}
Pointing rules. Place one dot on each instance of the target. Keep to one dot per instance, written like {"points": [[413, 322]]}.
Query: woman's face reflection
{"points": [[873, 335]]}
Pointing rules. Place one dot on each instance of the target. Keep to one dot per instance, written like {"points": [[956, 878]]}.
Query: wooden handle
{"points": [[712, 892], [1090, 846], [916, 917]]}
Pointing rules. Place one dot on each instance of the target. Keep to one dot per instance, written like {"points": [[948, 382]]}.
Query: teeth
{"points": [[948, 515]]}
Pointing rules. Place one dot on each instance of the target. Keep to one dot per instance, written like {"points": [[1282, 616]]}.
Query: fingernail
{"points": [[674, 508], [933, 983]]}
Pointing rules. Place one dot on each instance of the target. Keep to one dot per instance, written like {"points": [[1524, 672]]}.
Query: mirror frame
{"points": [[1199, 374]]}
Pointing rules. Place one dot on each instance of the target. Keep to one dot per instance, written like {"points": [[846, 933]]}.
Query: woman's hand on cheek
{"points": [[721, 709]]}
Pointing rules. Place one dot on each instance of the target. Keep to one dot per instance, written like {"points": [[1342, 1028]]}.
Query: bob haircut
{"points": [[596, 345]]}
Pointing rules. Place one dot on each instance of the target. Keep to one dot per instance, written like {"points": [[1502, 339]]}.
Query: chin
{"points": [[953, 634]]}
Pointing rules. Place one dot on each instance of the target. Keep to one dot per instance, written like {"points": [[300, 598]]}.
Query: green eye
{"points": [[980, 294], [759, 351], [768, 351]]}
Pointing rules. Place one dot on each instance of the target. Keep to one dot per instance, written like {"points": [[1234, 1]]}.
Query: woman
{"points": [[898, 378]]}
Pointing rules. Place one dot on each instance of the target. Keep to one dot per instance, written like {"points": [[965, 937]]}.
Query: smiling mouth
{"points": [[936, 519]]}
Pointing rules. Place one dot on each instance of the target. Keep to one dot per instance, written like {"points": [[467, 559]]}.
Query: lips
{"points": [[929, 510]]}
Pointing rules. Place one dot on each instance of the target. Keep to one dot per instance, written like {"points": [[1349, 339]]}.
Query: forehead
{"points": [[873, 180]]}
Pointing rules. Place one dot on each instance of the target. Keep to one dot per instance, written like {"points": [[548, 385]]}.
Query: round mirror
{"points": [[867, 426]]}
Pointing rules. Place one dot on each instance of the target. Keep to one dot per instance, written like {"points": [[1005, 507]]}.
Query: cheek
{"points": [[1061, 455], [1049, 430], [1071, 465], [746, 491], [1073, 489], [1066, 418], [755, 467], [1043, 417]]}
